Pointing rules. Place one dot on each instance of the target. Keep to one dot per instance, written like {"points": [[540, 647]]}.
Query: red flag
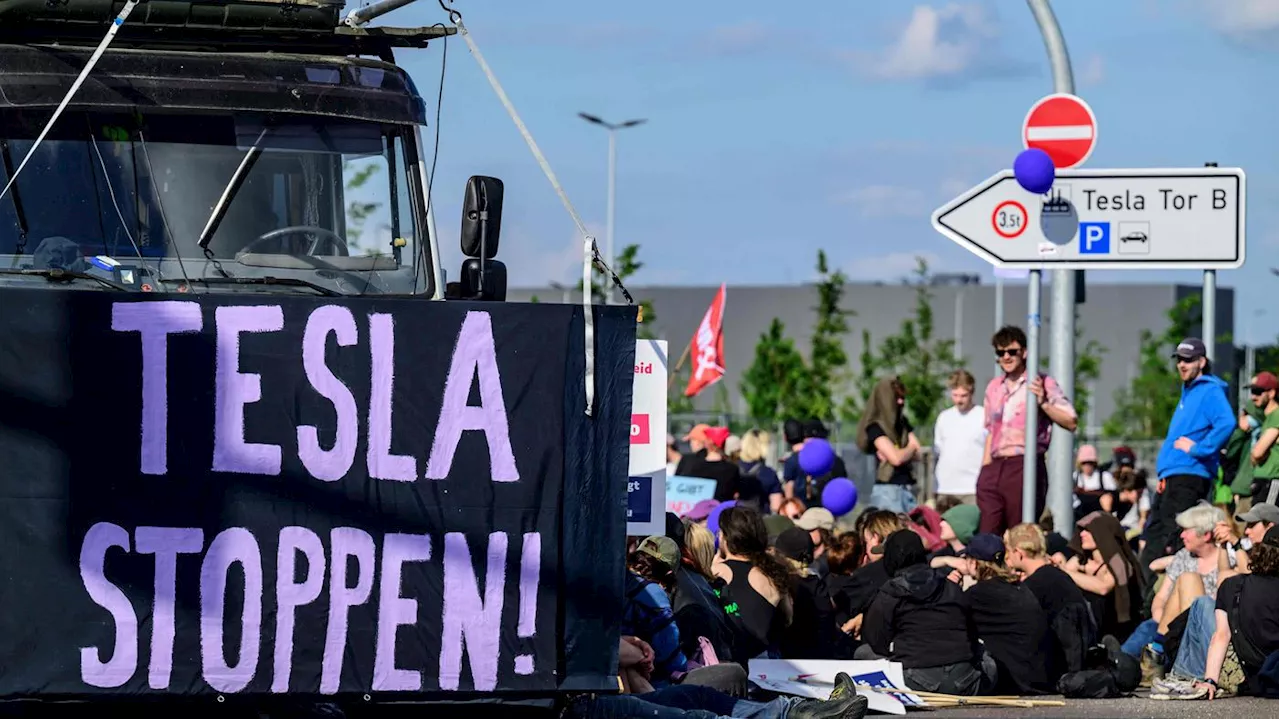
{"points": [[708, 348]]}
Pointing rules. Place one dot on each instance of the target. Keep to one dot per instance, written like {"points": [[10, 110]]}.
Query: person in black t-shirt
{"points": [[809, 487], [885, 432], [713, 464], [1007, 618], [1246, 619], [1072, 627]]}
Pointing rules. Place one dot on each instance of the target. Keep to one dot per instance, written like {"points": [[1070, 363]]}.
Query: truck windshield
{"points": [[154, 201]]}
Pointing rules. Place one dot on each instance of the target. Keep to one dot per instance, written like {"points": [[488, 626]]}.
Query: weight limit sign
{"points": [[1009, 219]]}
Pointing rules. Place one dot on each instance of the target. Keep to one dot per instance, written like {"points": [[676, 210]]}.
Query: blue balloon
{"points": [[1034, 170], [840, 496], [713, 519], [817, 457]]}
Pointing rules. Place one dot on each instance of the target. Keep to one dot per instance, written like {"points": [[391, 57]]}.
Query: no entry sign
{"points": [[1064, 127]]}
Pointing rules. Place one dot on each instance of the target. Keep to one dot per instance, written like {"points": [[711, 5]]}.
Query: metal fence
{"points": [[862, 467]]}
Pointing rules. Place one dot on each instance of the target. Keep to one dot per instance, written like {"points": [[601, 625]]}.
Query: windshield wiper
{"points": [[278, 281], [57, 274]]}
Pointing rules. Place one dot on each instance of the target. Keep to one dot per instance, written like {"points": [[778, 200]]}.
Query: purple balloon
{"points": [[713, 520], [817, 457], [1033, 169], [840, 496]]}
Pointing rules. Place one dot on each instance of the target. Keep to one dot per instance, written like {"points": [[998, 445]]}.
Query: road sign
{"points": [[1064, 127], [1104, 219]]}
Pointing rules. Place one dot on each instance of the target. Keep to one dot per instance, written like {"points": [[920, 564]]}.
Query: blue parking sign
{"points": [[1095, 238]]}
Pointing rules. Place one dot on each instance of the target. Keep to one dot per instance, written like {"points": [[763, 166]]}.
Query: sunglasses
{"points": [[1008, 352], [1257, 391]]}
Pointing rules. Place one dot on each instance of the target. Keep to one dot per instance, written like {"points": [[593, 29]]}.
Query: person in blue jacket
{"points": [[1188, 460]]}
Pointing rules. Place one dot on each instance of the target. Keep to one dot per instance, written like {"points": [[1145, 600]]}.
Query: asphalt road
{"points": [[1138, 707]]}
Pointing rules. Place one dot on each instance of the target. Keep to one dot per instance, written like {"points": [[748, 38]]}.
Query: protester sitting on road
{"points": [[926, 522], [757, 584], [959, 524], [885, 432], [856, 595], [1103, 566], [812, 632], [920, 619], [1007, 618], [792, 508], [820, 523], [843, 559], [1228, 640], [1072, 628], [1235, 548], [694, 603], [647, 613]]}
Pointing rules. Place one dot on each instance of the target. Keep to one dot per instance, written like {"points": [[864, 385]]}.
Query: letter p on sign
{"points": [[1095, 238]]}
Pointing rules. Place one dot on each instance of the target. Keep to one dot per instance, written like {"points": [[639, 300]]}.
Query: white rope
{"points": [[75, 86], [589, 253]]}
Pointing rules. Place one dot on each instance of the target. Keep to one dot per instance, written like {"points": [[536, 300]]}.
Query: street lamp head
{"points": [[633, 123], [593, 119]]}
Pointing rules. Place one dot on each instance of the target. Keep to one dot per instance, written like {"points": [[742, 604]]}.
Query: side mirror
{"points": [[483, 280], [482, 217]]}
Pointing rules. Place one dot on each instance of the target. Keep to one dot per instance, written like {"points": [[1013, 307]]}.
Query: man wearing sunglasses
{"points": [[1188, 460], [1266, 469]]}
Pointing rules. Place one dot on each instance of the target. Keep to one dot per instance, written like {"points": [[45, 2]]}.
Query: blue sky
{"points": [[778, 129]]}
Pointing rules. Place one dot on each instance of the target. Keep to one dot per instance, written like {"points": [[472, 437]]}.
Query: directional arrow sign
{"points": [[1112, 219]]}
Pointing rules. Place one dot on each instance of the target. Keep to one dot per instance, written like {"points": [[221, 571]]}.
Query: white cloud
{"points": [[887, 201], [1093, 71], [1245, 20], [889, 268], [942, 42]]}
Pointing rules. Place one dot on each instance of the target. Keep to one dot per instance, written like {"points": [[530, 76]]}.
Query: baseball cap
{"points": [[984, 547], [1266, 381], [1124, 456], [1263, 512], [662, 549], [816, 518], [1190, 348], [1087, 453], [815, 428], [699, 433], [795, 543], [702, 510]]}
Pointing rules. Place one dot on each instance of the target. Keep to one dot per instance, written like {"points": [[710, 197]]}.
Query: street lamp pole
{"points": [[613, 185]]}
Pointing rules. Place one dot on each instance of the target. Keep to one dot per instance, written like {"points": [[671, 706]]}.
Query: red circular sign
{"points": [[1064, 127], [1009, 219]]}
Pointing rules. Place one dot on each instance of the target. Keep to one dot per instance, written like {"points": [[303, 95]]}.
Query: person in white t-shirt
{"points": [[1095, 488], [959, 438]]}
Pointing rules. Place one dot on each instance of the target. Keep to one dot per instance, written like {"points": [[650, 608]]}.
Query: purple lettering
{"points": [[474, 355], [124, 657], [333, 464], [468, 616], [395, 611], [235, 389], [382, 347], [290, 594], [155, 321], [166, 543], [344, 542], [232, 546]]}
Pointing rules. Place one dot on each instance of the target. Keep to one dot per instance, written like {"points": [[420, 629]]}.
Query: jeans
{"points": [[1144, 634], [681, 702], [893, 497], [1194, 652]]}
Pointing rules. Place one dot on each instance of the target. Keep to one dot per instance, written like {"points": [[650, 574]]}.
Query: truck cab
{"points": [[259, 147]]}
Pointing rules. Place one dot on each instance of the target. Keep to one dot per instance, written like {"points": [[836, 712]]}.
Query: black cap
{"points": [[795, 543], [902, 550], [793, 431], [984, 547], [1190, 348], [815, 428]]}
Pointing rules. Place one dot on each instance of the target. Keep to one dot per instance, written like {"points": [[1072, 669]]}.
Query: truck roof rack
{"points": [[310, 27]]}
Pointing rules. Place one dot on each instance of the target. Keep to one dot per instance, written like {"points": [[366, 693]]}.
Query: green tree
{"points": [[1144, 408], [627, 265], [774, 380], [1088, 370], [358, 212], [828, 362], [919, 359]]}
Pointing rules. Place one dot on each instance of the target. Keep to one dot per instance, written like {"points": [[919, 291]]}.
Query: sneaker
{"points": [[1152, 663], [846, 707], [1182, 691], [1171, 684], [844, 687]]}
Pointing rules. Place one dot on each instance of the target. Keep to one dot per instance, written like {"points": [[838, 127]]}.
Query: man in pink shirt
{"points": [[1005, 407]]}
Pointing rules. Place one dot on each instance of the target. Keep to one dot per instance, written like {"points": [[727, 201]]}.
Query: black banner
{"points": [[285, 494]]}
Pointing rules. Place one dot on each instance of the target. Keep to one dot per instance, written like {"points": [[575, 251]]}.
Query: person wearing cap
{"points": [[819, 522], [1094, 486], [920, 619], [1005, 405], [712, 463], [1007, 618], [647, 612], [1257, 521], [1264, 455], [1228, 640], [798, 484], [1188, 460]]}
